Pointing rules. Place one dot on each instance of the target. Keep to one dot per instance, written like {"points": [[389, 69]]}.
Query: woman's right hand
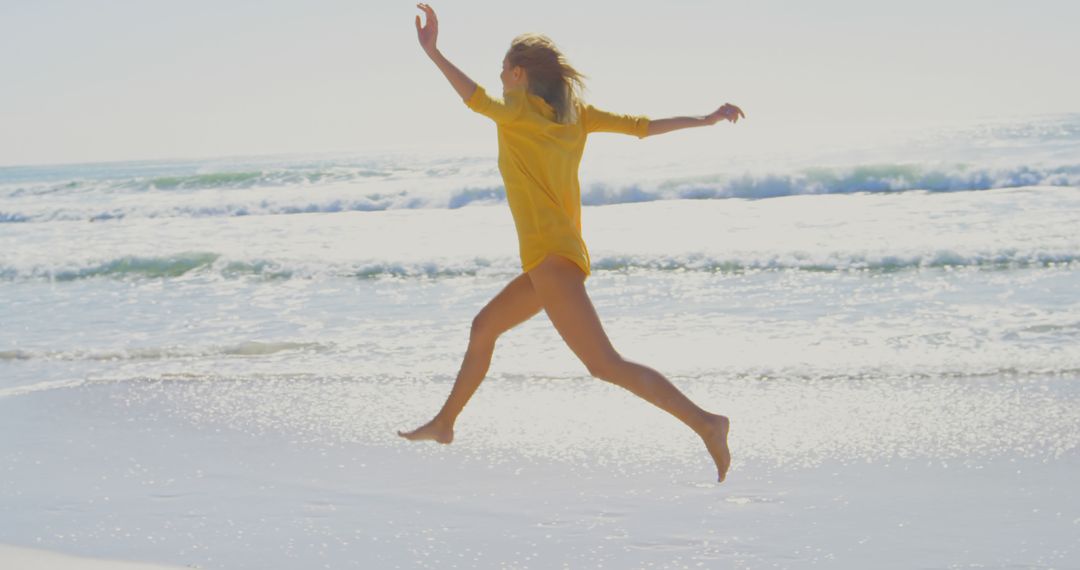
{"points": [[430, 32], [727, 112]]}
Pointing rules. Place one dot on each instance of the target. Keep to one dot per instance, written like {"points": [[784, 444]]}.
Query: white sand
{"points": [[21, 558]]}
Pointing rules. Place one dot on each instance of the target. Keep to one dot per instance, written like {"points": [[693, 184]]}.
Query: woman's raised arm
{"points": [[428, 34], [727, 112]]}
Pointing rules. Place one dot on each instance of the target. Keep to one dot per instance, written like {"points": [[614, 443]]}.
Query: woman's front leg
{"points": [[515, 304]]}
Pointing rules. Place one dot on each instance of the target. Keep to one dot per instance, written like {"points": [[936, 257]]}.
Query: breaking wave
{"points": [[278, 192], [213, 265]]}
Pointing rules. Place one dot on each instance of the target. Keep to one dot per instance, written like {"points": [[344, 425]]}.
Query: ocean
{"points": [[203, 362]]}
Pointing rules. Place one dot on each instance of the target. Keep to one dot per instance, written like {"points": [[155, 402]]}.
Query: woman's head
{"points": [[535, 63]]}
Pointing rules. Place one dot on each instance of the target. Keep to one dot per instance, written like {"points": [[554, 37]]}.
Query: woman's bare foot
{"points": [[433, 430], [715, 437]]}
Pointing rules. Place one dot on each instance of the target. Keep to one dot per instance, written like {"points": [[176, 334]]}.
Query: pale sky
{"points": [[141, 79]]}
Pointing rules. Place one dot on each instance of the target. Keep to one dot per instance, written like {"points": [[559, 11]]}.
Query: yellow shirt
{"points": [[538, 160]]}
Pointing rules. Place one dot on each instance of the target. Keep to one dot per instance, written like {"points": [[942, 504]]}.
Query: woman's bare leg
{"points": [[515, 304], [560, 286]]}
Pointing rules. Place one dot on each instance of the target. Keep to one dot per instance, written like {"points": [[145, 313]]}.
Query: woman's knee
{"points": [[483, 329], [605, 367]]}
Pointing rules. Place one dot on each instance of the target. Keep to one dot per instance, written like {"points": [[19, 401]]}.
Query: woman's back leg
{"points": [[559, 285]]}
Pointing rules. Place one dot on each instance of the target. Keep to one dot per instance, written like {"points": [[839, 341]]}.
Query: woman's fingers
{"points": [[429, 11], [731, 112], [432, 19]]}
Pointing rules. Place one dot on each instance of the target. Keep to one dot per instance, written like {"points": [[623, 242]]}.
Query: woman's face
{"points": [[511, 76]]}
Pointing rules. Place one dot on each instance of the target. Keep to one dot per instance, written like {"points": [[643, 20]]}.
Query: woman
{"points": [[542, 125]]}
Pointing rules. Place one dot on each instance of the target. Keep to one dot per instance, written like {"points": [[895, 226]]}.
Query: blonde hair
{"points": [[551, 76]]}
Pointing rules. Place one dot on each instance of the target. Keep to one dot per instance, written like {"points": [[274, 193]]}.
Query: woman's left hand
{"points": [[728, 112]]}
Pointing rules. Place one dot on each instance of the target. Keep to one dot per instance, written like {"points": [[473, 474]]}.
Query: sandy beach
{"points": [[274, 473]]}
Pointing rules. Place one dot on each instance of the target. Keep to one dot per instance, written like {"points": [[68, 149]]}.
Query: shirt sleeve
{"points": [[596, 120], [490, 107]]}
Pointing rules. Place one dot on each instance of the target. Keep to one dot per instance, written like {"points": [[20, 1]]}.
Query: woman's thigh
{"points": [[515, 304], [560, 285]]}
